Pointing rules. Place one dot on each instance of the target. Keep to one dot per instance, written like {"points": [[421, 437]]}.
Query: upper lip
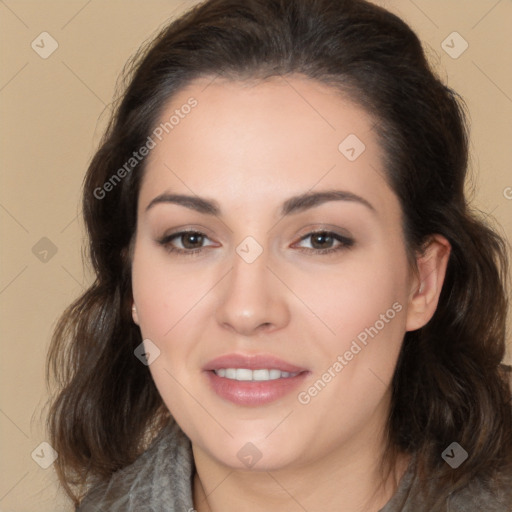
{"points": [[251, 362]]}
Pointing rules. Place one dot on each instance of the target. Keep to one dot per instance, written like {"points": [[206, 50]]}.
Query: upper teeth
{"points": [[246, 374]]}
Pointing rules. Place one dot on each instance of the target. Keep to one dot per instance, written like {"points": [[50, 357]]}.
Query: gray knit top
{"points": [[160, 480]]}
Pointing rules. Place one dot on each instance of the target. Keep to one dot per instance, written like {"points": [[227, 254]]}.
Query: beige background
{"points": [[53, 111]]}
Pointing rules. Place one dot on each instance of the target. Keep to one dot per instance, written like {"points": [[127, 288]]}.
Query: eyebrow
{"points": [[292, 205]]}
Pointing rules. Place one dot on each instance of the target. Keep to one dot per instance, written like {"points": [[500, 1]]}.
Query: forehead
{"points": [[255, 141]]}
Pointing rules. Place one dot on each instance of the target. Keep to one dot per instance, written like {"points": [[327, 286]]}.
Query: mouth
{"points": [[253, 380], [260, 375]]}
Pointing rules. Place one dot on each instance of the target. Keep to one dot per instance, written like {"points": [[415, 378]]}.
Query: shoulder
{"points": [[160, 479], [484, 494], [479, 494]]}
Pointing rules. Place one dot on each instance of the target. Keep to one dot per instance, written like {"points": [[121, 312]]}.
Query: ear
{"points": [[428, 282], [135, 315]]}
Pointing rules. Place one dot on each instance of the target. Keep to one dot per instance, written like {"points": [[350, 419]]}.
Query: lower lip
{"points": [[253, 393]]}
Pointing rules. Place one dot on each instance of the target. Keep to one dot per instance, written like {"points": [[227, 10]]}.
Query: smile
{"points": [[244, 374]]}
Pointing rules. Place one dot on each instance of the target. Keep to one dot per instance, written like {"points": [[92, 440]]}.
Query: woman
{"points": [[294, 306]]}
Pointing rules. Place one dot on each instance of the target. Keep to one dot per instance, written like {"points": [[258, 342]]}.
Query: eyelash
{"points": [[345, 243]]}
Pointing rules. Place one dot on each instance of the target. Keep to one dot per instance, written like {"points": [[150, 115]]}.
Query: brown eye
{"points": [[323, 242], [191, 240], [185, 242]]}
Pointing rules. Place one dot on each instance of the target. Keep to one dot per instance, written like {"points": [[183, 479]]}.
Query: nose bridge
{"points": [[252, 297]]}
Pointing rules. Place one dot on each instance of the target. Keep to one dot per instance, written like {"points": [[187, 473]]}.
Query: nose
{"points": [[252, 299]]}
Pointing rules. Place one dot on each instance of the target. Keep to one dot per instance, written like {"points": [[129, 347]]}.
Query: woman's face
{"points": [[253, 171]]}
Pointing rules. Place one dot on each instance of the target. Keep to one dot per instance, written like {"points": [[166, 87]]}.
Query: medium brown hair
{"points": [[448, 385]]}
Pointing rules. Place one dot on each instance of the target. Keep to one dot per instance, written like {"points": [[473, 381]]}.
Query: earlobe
{"points": [[135, 315], [426, 288]]}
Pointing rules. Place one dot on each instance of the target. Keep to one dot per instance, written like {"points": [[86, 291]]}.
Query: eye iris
{"points": [[195, 240], [321, 238]]}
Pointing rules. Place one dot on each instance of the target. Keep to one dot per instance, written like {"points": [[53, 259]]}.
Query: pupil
{"points": [[322, 238], [193, 238]]}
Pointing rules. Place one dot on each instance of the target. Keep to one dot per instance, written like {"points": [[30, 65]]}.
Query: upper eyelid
{"points": [[177, 234], [337, 236], [183, 230]]}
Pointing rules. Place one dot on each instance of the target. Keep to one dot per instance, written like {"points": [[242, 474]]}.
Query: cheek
{"points": [[365, 309], [166, 308], [364, 306], [353, 296], [346, 298], [163, 294], [151, 295]]}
